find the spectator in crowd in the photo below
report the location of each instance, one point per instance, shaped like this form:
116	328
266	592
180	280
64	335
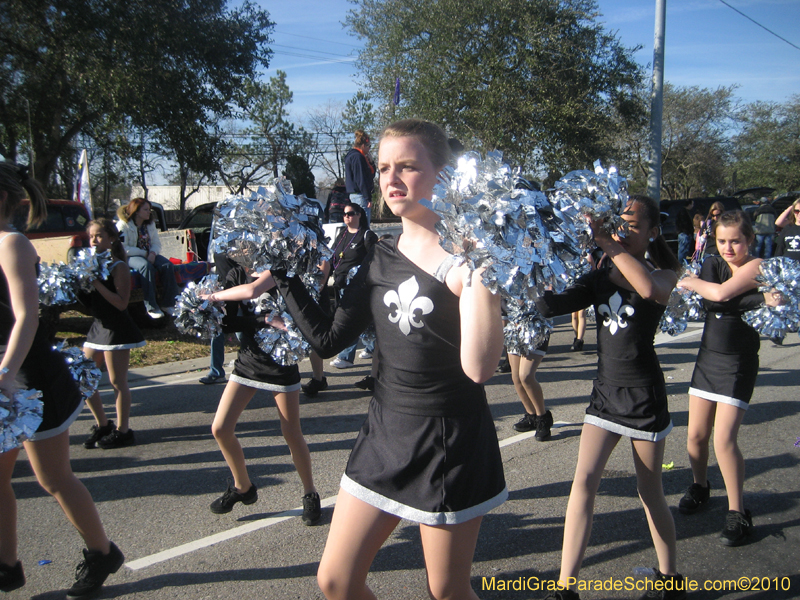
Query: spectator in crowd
359	171
334	208
683	223
764	227
140	238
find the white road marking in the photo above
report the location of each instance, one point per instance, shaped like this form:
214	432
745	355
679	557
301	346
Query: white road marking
149	561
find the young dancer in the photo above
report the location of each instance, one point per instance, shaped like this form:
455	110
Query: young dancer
428	451
28	361
629	396
529	391
111	338
254	370
725	372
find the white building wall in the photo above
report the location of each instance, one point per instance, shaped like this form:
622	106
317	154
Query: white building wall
169	195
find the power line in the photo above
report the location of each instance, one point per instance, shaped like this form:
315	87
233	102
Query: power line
316	39
311	50
760	25
311	56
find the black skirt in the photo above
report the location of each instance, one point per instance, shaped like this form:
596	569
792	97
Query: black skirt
431	470
46	370
123	336
727	378
260	372
637	412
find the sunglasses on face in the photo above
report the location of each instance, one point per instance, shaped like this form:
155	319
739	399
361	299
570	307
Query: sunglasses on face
715	214
350	214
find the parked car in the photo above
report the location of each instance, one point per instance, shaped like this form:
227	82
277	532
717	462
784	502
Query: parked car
670	208
198	221
61	235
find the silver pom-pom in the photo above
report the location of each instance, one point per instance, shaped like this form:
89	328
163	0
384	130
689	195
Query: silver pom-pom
90	265
271	230
683	306
602	195
20	417
525	330
59	284
197	316
488	217
84	370
285	347
781	274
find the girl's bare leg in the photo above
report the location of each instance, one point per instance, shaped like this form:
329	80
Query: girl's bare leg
8	509
448	559
317	366
595	448
648	457
698	435
358	531
49	459
729	456
526	375
288	404
95	403
234	400
117	363
579	323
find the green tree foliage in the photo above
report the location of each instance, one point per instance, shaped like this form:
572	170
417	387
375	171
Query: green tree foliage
359	113
695	143
299	173
767	149
539	79
274	135
173	66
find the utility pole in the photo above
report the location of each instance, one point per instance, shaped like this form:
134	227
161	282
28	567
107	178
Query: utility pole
657	103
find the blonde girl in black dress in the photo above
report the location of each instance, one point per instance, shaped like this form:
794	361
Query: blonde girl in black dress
428	451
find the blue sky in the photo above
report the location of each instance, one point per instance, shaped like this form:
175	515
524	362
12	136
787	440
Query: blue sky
707	45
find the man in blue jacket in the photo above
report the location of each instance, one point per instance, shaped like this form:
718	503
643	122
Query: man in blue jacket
359	172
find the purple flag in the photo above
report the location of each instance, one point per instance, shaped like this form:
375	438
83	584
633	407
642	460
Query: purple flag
397	92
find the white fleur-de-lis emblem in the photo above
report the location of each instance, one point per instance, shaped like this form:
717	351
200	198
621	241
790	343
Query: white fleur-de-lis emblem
407	304
794	242
615	313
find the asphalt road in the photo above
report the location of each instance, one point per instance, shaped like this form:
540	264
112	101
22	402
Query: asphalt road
154	497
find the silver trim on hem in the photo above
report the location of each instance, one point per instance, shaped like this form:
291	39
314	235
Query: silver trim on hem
637	434
116	347
712	397
260	385
420	516
48	433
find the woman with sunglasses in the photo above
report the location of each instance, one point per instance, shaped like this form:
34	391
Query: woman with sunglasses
349	250
788	243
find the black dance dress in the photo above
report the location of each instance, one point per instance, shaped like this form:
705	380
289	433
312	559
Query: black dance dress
44	369
113	329
428	451
629	396
727	364
253	367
